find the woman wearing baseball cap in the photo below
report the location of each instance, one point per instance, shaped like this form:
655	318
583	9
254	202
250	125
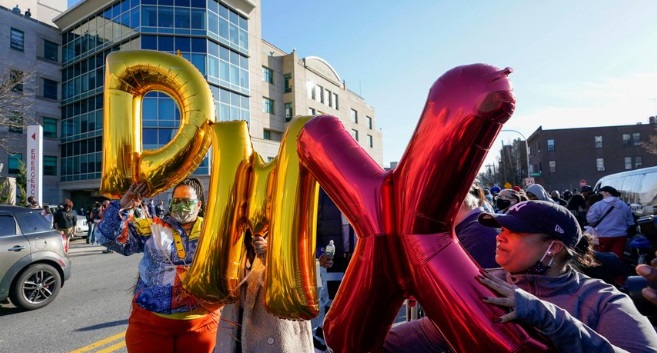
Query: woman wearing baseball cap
539	249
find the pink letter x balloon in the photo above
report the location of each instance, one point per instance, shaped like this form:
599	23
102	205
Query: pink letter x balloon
404	219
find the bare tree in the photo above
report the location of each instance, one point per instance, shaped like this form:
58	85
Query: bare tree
16	98
651	145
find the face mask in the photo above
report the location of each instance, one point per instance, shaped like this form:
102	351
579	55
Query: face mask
539	268
502	204
183	212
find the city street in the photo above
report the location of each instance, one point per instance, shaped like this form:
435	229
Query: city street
90	313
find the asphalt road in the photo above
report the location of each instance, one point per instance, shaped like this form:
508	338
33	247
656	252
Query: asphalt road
90	313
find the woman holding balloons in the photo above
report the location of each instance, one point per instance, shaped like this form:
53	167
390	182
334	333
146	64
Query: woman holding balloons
165	317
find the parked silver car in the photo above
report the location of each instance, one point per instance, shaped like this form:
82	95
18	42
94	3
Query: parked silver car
33	260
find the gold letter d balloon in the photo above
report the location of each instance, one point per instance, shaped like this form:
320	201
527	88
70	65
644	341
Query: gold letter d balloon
276	199
129	75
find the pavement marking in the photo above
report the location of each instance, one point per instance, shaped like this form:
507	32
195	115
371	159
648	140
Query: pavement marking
103	342
113	347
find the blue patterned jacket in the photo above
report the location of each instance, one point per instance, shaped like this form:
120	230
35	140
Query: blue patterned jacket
159	287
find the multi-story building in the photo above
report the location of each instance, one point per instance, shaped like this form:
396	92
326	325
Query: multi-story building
40	10
292	86
561	158
32	47
513	163
250	79
214	36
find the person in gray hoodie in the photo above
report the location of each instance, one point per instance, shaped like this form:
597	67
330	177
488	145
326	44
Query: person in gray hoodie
539	249
537	192
611	219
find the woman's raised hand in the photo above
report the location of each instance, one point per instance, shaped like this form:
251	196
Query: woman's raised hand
134	193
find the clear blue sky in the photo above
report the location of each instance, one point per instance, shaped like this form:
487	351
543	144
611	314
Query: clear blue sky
577	63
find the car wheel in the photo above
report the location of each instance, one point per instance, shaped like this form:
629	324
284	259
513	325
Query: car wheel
36	287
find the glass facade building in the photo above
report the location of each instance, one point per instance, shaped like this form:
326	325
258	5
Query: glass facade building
209	34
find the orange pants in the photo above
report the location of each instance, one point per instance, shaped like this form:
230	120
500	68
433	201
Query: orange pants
148	333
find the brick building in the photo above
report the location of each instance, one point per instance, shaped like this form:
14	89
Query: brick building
559	159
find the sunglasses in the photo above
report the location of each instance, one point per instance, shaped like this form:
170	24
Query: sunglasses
184	202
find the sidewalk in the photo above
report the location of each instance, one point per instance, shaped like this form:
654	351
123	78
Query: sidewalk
79	246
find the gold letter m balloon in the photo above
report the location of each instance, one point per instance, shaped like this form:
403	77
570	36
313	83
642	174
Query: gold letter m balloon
277	200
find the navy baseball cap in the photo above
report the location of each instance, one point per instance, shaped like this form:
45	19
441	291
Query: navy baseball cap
537	217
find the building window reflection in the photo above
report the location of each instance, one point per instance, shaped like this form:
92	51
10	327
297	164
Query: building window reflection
210	35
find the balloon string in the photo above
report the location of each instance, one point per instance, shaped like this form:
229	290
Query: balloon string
233	292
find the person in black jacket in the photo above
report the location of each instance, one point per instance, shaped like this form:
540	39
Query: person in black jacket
64	219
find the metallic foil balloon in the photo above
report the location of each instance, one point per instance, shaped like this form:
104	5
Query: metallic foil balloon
290	278
277	200
215	271
129	75
404	219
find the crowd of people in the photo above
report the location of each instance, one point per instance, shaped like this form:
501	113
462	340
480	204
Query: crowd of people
603	214
541	250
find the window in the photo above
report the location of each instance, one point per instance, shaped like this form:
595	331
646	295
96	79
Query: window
50	50
311	111
288	112
354	116
354	134
626	140
7	226
329	98
320	92
312	90
370	140
553	166
288	83
550	145
267	105
636	139
15	161
628	163
335	100
49	127
16	78
17	40
49	89
638	162
16	123
267	75
50	165
266	134
369	122
600	164
598	143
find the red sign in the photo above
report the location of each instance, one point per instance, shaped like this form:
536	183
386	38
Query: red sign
582	182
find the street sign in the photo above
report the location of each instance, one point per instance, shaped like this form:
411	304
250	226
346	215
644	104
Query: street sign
529	181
